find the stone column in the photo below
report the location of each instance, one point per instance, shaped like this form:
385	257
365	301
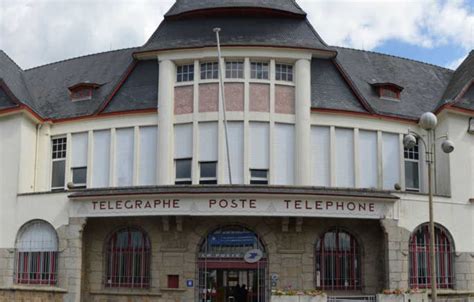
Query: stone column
396	254
165	122
303	119
70	258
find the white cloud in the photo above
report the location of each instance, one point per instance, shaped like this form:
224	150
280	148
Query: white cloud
367	24
36	32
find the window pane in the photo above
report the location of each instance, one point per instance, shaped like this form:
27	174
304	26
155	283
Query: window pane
59	167
411	175
258	173
79	175
183	169
208	170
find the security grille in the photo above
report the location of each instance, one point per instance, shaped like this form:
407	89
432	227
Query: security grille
420	273
36	254
128	259
337	262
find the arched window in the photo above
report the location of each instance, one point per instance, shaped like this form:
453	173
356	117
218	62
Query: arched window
420	274
36	254
337	261
128	259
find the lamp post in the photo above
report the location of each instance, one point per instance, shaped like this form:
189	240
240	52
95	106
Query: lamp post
428	122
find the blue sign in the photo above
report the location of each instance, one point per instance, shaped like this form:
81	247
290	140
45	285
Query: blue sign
189	283
232	239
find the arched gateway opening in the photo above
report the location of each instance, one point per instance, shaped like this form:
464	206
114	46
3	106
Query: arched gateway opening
232	264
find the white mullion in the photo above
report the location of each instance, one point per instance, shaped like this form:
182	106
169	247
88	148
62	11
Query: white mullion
402	163
112	180
90	161
357	164
67	165
221	143
271	133
380	160
332	155
195	159
136	157
246	120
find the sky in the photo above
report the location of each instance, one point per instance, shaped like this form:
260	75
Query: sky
37	32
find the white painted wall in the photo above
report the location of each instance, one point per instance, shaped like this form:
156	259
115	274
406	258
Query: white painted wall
18	140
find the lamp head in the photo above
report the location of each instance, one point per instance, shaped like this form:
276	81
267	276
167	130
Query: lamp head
409	141
447	146
428	121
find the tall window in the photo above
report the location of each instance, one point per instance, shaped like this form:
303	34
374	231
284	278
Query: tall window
259	70
36	254
183	153
420	275
79	159
284	72
185	73
128	259
59	145
209	71
412	168
234	70
337	261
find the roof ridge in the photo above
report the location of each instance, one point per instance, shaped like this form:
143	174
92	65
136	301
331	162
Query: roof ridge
80	57
298	6
316	33
9	58
393	56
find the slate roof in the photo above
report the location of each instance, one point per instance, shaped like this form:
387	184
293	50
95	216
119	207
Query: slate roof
462	78
185	6
139	91
329	90
341	83
424	84
11	75
236	31
49	83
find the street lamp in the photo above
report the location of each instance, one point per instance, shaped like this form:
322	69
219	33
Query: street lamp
428	122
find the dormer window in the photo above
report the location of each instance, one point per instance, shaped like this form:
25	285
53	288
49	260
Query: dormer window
82	91
388	91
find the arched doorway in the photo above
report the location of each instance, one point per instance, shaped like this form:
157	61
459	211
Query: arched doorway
232	265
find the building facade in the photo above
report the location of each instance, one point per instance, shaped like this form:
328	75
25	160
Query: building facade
123	178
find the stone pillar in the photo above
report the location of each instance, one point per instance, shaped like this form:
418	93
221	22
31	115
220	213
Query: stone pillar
303	120
396	254
165	122
70	258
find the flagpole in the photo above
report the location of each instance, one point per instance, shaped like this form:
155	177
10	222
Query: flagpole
221	83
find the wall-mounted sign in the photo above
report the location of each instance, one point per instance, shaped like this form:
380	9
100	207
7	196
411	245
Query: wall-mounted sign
190	283
253	256
235	206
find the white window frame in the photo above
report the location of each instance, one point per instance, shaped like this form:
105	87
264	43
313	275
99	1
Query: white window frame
284	72
186	75
207	179
258	67
234	69
53	160
418	162
259	179
209	71
183	181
